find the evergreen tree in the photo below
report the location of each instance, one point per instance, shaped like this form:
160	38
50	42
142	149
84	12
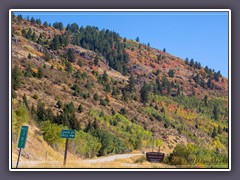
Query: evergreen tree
107	88
45	24
58	25
191	62
25	101
144	92
70	55
193	92
214	133
29	56
29	72
80	64
209	83
40	73
38	21
131	84
159	57
32	20
80	108
206	100
159	86
16	78
165	81
29	34
219	129
105	76
171	73
59	104
96	61
19	18
216	112
34	37
96	97
169	89
123	111
137	39
55	45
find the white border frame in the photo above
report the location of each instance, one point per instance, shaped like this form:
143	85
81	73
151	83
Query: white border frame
120	10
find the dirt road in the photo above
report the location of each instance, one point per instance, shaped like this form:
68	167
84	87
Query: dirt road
101	160
110	158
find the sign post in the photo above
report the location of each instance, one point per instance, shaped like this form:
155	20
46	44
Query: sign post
67	134
22	141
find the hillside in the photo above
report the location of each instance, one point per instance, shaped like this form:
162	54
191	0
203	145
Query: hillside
117	93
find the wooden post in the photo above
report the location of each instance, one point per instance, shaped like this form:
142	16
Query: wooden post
46	156
19	154
65	154
153	143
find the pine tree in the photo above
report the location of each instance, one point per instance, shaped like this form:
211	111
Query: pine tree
137	39
70	55
171	73
80	108
29	34
216	112
144	93
25	101
55	45
131	84
16	78
32	20
96	61
123	111
40	73
105	76
29	72
206	100
45	24
214	133
209	83
34	37
219	129
29	56
59	104
80	64
96	97
107	88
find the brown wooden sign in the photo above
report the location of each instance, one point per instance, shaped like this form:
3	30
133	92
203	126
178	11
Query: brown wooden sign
154	156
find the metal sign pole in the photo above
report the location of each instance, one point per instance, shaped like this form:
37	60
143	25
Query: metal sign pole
65	154
19	154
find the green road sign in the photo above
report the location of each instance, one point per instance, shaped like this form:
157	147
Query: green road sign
68	134
23	137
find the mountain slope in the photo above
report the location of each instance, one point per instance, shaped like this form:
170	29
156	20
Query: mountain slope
119	89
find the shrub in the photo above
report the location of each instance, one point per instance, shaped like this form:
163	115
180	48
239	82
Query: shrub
35	96
103	102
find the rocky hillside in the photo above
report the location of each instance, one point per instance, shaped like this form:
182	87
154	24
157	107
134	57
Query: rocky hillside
104	85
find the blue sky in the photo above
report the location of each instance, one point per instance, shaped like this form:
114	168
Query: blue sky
202	36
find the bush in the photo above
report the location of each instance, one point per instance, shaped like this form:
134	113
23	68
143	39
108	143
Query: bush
103	102
51	133
194	155
123	111
141	159
96	97
35	96
110	143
